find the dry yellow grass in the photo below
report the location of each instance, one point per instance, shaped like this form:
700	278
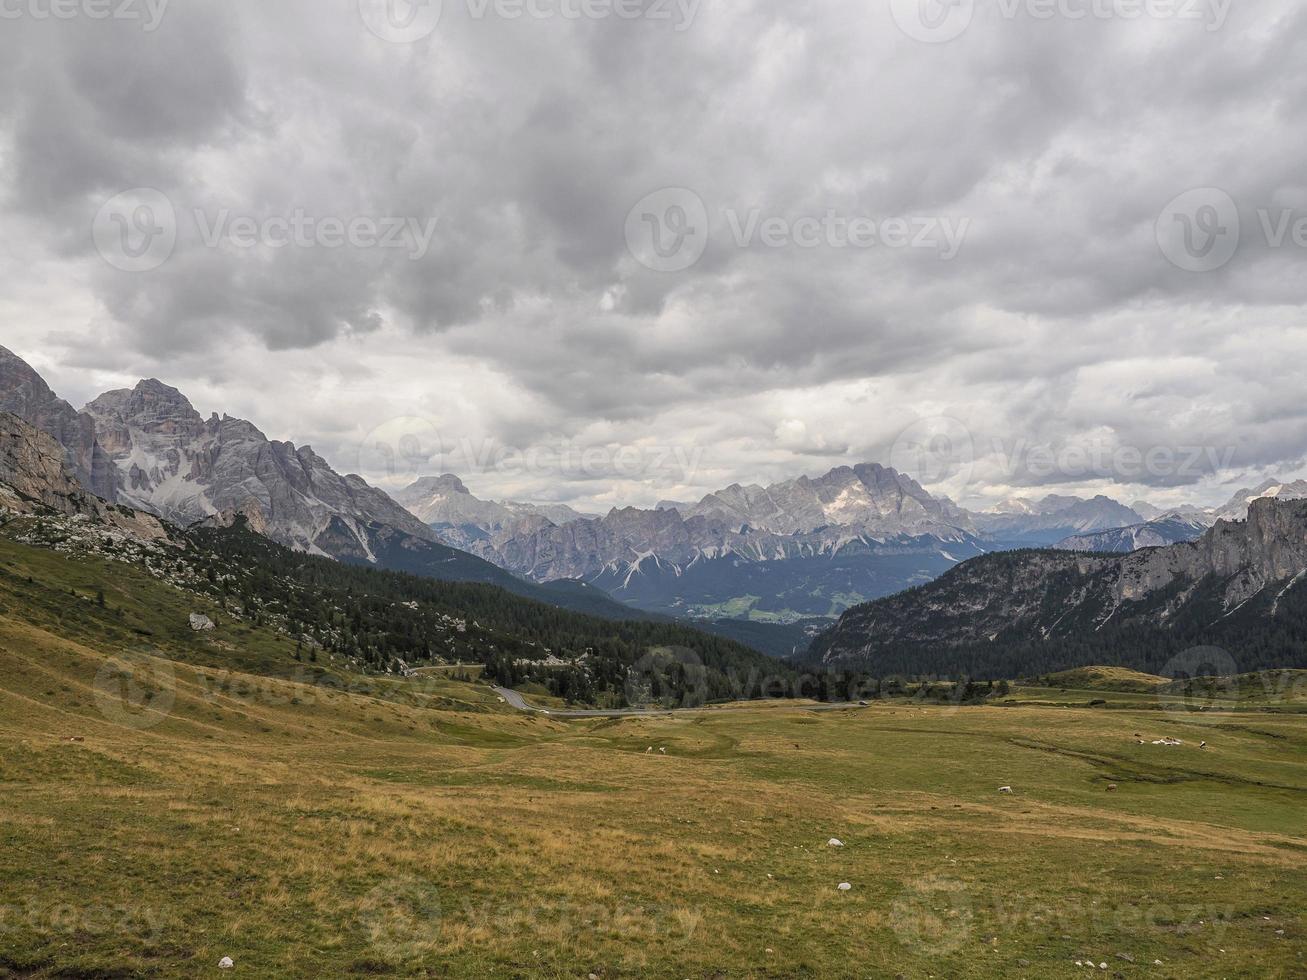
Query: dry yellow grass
422	829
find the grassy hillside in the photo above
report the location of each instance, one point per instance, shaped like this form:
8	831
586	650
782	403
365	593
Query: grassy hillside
158	814
1105	679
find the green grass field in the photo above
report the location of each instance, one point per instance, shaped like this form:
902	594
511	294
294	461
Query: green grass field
159	814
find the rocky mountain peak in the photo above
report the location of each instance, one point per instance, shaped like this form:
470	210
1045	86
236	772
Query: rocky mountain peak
151	406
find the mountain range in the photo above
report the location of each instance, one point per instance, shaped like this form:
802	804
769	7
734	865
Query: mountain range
801	549
797	553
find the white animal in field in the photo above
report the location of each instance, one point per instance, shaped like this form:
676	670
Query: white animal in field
662	750
648	750
1005	789
835	842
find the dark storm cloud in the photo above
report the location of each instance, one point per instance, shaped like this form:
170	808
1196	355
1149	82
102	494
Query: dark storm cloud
1054	144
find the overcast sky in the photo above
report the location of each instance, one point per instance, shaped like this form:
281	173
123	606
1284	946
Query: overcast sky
644	249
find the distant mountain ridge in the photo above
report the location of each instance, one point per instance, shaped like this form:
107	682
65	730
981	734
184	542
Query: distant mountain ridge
1156	533
798	549
1018	522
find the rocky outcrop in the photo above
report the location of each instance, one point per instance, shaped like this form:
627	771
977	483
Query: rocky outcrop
24	393
32	464
35	479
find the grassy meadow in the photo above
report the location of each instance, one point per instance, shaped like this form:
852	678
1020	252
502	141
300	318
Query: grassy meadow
169	798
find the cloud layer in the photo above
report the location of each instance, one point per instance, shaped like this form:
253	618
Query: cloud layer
875	247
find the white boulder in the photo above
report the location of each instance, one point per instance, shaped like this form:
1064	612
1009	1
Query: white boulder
201	623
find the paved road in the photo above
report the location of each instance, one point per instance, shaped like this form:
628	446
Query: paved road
517	701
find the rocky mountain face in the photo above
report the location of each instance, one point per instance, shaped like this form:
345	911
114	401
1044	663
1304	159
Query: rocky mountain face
1157	533
866	496
32	468
172	462
25	394
35	479
1040	596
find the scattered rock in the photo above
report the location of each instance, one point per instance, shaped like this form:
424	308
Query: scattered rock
225	963
201	623
1005	789
1111	787
835	842
844	886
